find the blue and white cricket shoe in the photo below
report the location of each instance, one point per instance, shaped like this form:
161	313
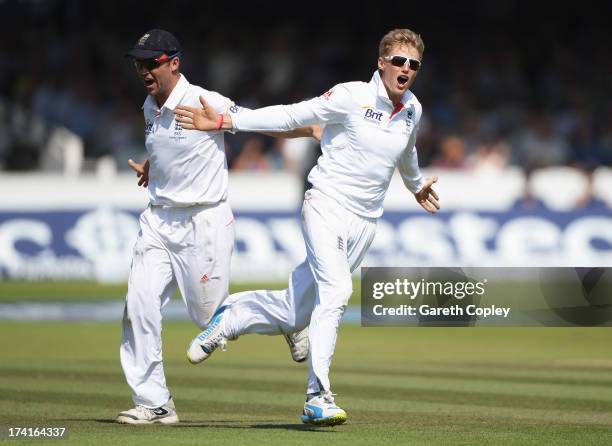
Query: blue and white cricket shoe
204	344
321	410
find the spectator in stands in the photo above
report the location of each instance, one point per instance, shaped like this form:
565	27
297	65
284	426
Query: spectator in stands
491	156
538	146
490	87
252	157
452	153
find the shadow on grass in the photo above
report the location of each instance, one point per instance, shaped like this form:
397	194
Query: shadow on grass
220	424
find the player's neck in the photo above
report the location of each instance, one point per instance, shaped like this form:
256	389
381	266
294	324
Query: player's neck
395	99
161	98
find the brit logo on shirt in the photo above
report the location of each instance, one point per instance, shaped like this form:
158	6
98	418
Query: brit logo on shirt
148	127
372	114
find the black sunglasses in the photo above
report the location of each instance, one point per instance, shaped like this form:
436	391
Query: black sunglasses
400	61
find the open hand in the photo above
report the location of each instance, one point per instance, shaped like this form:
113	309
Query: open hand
142	171
192	118
427	197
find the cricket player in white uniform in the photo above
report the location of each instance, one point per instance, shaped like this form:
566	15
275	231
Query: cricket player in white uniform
186	234
370	128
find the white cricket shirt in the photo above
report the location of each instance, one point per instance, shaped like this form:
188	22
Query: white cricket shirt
186	167
365	137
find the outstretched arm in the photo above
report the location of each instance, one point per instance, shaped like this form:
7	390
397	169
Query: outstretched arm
207	119
322	110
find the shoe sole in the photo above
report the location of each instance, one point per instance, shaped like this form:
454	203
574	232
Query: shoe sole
329	421
166	420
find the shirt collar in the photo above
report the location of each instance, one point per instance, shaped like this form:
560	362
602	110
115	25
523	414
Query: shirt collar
381	91
173	100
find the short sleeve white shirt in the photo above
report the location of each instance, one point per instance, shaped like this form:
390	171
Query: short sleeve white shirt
187	167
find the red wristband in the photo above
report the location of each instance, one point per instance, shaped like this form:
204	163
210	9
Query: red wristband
220	120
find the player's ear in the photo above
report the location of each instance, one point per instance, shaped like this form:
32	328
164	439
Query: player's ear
175	64
381	63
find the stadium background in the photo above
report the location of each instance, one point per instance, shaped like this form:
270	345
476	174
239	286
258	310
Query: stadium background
517	124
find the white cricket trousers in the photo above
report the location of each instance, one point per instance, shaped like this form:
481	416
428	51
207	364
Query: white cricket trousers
190	247
319	288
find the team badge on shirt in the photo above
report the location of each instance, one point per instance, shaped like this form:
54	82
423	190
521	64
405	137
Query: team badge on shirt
148	127
178	132
409	119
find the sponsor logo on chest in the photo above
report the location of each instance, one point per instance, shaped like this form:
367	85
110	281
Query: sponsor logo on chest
372	115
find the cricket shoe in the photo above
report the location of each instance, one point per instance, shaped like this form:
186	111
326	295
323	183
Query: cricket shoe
298	345
165	414
204	344
321	410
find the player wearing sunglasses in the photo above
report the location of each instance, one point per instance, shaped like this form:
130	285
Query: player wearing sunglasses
370	129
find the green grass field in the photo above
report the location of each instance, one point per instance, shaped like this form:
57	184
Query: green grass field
467	386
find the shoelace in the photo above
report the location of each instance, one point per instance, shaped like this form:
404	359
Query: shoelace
328	397
146	412
212	344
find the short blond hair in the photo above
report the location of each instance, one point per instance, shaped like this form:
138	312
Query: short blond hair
400	37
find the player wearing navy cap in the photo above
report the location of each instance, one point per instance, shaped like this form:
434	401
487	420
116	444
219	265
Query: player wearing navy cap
186	233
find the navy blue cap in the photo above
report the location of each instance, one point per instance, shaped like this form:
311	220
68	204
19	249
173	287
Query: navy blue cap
154	43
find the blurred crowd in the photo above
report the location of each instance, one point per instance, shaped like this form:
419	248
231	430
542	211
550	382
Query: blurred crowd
499	85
